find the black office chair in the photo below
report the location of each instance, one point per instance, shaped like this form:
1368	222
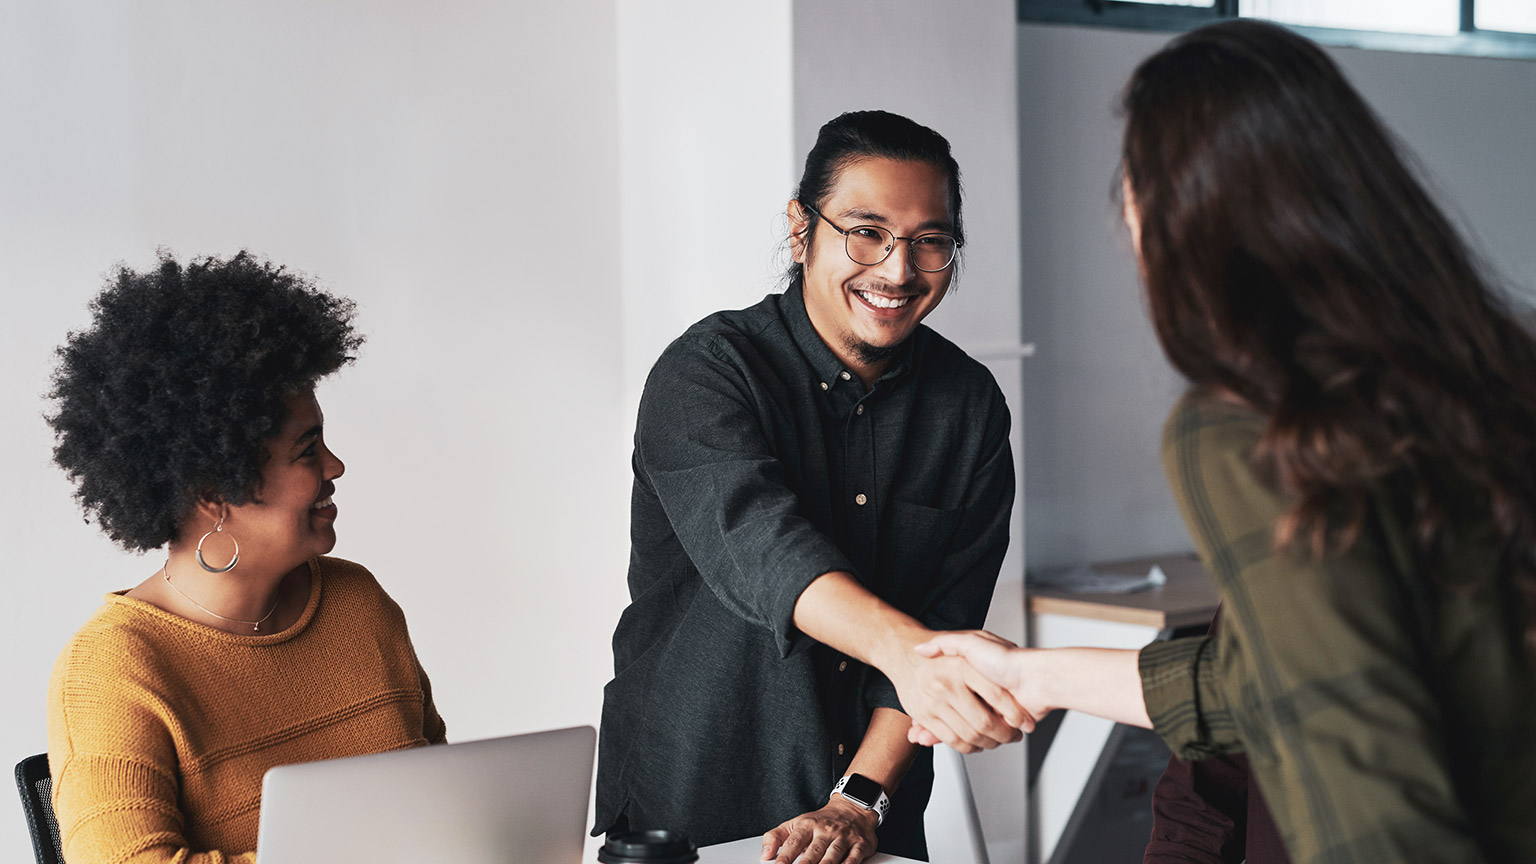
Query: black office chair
36	787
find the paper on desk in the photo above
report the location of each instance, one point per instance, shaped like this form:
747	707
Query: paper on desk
1083	579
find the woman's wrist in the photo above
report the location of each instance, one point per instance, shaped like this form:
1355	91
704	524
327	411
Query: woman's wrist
1038	676
1104	682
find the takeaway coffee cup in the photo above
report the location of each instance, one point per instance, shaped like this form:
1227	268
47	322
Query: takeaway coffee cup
648	847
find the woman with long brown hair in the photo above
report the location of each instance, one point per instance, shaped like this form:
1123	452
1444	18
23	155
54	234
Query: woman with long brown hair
1355	460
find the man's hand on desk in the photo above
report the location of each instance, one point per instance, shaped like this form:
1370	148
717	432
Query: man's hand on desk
839	833
956	703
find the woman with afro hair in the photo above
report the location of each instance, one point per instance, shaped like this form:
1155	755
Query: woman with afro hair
186	417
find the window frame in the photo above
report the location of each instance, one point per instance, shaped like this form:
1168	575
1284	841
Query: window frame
1117	14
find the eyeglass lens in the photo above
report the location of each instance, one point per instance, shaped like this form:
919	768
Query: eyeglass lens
871	244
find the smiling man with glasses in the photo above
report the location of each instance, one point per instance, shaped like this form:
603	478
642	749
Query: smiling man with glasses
821	483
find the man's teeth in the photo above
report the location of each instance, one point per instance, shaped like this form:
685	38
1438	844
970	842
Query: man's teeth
882	302
322	503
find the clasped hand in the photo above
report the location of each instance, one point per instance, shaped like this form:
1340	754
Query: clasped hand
955	702
990	668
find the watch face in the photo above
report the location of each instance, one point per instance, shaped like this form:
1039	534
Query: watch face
862	789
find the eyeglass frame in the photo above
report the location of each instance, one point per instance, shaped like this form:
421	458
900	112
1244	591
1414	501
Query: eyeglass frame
891	248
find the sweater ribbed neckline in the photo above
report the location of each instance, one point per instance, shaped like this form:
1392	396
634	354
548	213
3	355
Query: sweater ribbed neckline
139	607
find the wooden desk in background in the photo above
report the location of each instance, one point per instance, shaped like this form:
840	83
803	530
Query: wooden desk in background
1188	599
1090	779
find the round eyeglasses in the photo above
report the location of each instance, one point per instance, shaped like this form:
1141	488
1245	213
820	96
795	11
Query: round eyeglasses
871	244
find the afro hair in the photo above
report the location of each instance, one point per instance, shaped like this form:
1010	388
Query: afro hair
171	394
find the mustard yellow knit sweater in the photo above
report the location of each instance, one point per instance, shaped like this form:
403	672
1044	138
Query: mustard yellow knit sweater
160	729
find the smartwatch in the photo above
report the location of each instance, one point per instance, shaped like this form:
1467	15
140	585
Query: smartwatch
866	793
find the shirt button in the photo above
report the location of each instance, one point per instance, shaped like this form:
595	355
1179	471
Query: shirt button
823	385
859	499
845	376
859	410
843	666
839	749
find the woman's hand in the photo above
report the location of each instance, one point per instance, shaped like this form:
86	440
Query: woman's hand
1104	682
991	655
949	698
997	660
955	703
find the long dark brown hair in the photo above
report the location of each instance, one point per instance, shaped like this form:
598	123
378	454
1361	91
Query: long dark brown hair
1292	258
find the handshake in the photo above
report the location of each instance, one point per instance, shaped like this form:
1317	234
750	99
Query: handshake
975	690
966	689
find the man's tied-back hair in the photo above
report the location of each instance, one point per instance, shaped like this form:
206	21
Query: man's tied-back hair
858	135
171	393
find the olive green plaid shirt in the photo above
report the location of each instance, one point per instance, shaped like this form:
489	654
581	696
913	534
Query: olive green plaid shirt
1386	718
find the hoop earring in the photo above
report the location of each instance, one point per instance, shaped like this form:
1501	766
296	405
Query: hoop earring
218	528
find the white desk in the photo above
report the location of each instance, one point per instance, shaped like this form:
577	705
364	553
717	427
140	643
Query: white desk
749	850
1059	619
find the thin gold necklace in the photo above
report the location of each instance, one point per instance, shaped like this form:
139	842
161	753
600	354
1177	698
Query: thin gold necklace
255	625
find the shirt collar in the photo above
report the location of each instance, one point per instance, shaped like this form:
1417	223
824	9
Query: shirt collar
828	369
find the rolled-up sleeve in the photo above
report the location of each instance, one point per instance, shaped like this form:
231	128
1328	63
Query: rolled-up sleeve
700	446
1185	699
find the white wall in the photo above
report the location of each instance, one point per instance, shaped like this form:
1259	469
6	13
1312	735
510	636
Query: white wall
452	167
706	165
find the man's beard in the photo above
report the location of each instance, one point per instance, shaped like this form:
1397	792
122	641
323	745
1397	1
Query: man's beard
870	354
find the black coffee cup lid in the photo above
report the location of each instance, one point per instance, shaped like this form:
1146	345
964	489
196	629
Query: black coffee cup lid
655	846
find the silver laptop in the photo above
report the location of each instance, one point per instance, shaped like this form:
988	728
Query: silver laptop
515	800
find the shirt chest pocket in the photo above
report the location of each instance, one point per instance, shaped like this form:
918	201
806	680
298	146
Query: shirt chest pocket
917	537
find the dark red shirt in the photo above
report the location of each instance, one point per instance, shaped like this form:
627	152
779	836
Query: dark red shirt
1211	812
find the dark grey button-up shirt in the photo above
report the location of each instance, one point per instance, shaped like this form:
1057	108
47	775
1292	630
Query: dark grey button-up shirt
760	464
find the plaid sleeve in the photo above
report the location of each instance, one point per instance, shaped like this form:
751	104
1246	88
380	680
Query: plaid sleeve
1184	698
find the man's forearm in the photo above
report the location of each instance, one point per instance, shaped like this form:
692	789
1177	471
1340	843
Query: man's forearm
885	754
838	611
944	695
840	825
